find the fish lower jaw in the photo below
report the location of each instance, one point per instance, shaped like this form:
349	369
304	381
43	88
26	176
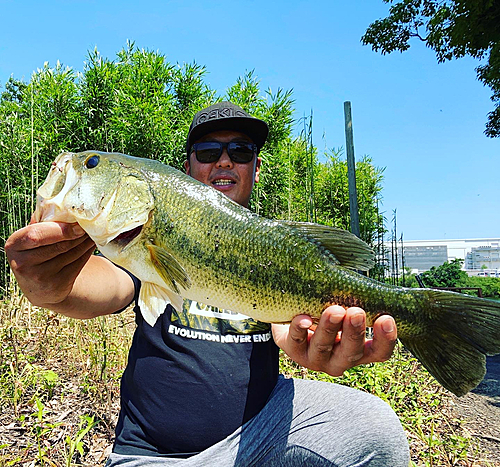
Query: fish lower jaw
46	211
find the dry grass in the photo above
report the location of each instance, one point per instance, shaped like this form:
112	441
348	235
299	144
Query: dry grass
59	392
59	377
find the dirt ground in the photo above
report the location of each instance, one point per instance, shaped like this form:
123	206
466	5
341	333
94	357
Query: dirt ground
481	410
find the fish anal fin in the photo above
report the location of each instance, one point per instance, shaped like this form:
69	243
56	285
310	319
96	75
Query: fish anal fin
169	268
153	300
349	250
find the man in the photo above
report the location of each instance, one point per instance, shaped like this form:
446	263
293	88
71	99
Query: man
201	387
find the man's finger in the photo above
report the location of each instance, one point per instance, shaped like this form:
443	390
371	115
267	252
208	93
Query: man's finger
73	268
384	339
298	333
45	254
80	247
322	342
42	234
352	345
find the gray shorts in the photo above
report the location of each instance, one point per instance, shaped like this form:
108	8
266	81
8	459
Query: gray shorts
304	423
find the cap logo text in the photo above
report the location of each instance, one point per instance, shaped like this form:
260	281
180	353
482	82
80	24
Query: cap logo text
219	113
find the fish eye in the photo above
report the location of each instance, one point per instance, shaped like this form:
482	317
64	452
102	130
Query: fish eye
92	162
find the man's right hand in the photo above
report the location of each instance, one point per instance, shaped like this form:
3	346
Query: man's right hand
55	267
46	259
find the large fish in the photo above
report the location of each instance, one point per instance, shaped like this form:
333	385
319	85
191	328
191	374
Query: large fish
183	239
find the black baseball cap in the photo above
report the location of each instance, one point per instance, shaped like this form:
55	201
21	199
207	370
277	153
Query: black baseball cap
226	116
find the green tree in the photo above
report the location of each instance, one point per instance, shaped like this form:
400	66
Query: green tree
490	286
141	104
453	29
332	194
449	274
268	198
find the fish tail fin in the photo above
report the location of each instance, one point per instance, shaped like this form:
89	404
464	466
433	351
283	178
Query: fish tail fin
462	331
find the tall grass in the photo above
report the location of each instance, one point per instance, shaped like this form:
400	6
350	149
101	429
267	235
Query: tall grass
142	105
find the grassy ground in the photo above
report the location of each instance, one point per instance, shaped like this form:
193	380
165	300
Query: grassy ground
59	392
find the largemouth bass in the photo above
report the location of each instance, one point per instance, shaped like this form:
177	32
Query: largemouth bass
184	239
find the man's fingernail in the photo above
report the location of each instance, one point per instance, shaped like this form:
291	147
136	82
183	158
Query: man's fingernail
77	230
305	323
357	320
337	317
388	325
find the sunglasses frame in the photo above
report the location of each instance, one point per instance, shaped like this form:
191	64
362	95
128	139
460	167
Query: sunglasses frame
228	148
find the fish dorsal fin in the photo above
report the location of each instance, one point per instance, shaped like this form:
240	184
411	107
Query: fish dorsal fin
169	269
153	300
349	250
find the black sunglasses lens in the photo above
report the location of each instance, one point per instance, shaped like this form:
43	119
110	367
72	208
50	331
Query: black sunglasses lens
208	151
241	152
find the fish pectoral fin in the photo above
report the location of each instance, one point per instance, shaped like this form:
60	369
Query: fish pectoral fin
153	300
169	269
349	250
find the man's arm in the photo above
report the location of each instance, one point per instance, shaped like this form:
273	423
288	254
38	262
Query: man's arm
54	265
324	349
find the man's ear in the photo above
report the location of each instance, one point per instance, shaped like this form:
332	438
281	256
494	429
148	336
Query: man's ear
187	167
258	163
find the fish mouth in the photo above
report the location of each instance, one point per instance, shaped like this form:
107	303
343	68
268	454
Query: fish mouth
126	237
62	179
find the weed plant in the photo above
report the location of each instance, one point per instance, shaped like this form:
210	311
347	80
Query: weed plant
59	385
59	391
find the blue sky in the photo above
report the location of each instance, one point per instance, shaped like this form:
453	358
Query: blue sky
422	121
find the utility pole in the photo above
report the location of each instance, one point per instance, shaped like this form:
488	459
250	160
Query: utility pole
351	169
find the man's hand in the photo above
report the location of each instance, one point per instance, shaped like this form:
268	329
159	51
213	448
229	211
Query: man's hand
55	267
46	259
338	342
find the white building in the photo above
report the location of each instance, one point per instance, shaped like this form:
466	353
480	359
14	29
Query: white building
479	254
484	258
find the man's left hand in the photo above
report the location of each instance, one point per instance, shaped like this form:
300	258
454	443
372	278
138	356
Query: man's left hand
338	342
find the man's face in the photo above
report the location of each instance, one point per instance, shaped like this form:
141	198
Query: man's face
235	180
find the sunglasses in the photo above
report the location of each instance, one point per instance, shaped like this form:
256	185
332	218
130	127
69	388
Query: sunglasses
210	151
